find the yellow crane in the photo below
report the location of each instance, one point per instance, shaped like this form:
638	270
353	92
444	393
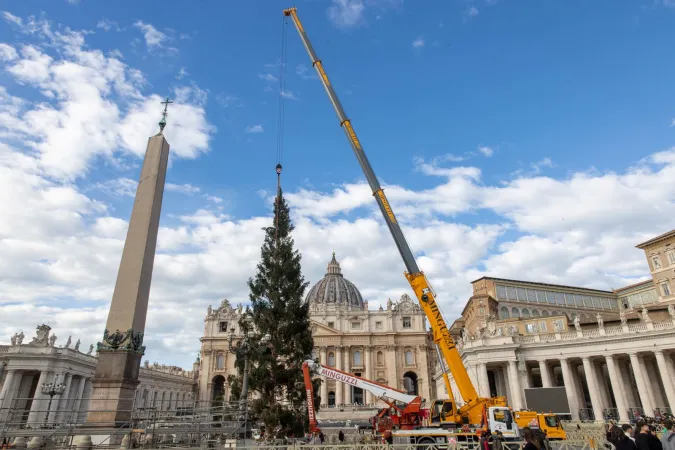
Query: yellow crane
477	413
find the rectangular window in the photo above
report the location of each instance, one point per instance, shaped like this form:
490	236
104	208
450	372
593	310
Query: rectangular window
559	325
511	293
656	262
356	325
671	257
378	325
481	310
407	322
550	297
529	327
560	298
222	326
331	324
542	327
532	296
665	289
501	292
522	294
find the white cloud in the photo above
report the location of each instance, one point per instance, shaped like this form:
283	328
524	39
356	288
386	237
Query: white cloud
346	13
303	72
86	120
267	77
7	52
187	189
469	13
182	73
107	25
153	37
289	95
485	150
11	18
418	43
254	129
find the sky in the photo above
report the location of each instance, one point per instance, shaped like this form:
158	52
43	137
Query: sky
531	140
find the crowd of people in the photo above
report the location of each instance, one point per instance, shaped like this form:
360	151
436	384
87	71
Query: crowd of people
643	436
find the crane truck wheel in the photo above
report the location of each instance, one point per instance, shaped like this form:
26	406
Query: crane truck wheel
425	443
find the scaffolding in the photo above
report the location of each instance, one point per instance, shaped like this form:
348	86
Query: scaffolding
202	424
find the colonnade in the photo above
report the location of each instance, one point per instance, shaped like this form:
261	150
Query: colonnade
21	398
619	385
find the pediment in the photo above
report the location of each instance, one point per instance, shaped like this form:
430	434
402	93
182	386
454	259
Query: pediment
322	329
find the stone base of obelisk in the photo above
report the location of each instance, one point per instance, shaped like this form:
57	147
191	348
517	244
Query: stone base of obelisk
114	383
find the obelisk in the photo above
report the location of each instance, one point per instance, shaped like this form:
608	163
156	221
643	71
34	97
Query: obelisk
120	352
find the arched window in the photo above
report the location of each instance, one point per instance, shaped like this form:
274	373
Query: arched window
331	398
526	313
331	359
409	358
220	362
536	313
515	313
504	313
380	359
573	316
545	313
357	358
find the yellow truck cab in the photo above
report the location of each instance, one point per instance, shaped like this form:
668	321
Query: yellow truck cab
547	422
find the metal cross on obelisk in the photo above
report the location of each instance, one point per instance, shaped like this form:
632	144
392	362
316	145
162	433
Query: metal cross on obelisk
162	123
121	349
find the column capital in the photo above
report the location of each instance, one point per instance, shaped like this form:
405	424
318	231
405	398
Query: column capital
658	351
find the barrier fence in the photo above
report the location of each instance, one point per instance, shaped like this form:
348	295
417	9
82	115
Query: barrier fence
63	424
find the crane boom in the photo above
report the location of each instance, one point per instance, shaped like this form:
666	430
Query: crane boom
377	389
416	278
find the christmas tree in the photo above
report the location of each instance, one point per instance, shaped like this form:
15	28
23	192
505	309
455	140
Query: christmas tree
279	312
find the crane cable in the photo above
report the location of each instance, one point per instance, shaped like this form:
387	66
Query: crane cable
280	129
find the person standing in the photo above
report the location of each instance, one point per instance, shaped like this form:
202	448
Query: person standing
668	439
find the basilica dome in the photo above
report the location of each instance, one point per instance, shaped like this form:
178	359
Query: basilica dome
335	289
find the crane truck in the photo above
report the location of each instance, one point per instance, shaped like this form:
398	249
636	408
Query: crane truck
404	411
477	413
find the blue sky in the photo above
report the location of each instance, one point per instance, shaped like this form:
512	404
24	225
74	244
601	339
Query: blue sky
498	126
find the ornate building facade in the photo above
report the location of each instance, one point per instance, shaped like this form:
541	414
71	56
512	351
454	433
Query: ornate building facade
26	365
389	345
612	350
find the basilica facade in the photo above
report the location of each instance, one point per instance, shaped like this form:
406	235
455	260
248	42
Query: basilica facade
389	344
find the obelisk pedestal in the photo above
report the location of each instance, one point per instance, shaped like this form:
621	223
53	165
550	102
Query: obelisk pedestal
120	352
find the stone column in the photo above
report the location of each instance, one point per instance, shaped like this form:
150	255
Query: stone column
596	401
324	382
339	387
368	350
545	374
617	388
78	399
65	399
6	394
647	406
665	378
648	384
37	407
483	380
514	381
570	391
121	349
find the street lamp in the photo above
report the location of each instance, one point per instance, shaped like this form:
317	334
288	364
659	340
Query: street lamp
52	389
246	346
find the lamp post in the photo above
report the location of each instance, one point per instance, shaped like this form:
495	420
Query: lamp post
246	346
52	389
